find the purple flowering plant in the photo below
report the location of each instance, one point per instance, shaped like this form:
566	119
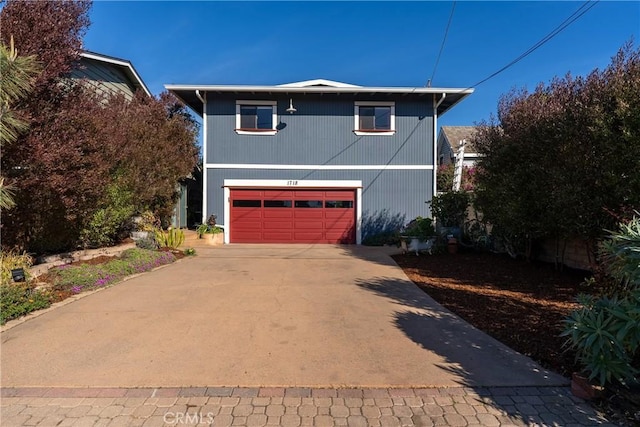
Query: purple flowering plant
78	278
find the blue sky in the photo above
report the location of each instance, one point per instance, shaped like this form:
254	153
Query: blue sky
364	43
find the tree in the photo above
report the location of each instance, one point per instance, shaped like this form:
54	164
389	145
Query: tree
51	30
562	161
87	158
153	144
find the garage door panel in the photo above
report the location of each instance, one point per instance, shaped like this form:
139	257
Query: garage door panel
308	225
308	236
304	214
277	237
277	213
278	225
278	194
340	195
346	214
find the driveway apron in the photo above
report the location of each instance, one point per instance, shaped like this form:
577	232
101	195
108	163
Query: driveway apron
262	315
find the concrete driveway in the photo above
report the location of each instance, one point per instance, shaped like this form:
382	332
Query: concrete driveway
268	315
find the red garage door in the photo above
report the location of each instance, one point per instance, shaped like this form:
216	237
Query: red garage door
292	216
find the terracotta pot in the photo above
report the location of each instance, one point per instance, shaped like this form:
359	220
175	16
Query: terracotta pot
581	387
452	245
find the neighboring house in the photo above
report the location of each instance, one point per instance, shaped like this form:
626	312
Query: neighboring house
449	141
109	75
316	161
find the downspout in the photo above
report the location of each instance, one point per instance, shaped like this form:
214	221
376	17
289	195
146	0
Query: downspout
204	155
200	98
436	104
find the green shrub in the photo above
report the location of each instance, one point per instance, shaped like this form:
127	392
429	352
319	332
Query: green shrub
605	331
621	253
18	299
450	208
149	243
189	252
171	238
110	223
606	334
148	222
11	260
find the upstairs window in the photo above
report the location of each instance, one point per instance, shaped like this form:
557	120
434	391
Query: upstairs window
375	118
256	117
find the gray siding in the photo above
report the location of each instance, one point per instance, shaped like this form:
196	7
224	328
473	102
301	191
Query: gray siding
320	132
104	78
387	195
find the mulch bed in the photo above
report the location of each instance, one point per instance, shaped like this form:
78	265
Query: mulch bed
521	304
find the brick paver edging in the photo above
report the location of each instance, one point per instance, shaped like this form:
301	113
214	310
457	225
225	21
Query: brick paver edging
296	406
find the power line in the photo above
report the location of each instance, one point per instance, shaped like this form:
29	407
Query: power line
564	24
444	39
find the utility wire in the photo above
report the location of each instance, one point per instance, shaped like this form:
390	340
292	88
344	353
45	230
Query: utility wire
444	39
570	20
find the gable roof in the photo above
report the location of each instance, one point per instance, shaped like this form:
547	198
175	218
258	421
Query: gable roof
455	134
125	66
191	94
318	82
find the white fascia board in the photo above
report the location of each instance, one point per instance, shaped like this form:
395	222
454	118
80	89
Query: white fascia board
319	89
316	167
119	62
299	183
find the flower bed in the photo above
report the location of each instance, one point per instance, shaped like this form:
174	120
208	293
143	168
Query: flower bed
18	299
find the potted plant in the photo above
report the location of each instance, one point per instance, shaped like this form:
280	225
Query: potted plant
418	235
211	232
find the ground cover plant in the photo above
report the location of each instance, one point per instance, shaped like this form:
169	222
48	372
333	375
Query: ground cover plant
19	299
83	277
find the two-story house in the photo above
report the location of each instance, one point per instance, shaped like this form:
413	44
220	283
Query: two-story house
316	161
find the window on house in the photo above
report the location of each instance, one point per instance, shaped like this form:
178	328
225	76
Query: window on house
376	118
256	117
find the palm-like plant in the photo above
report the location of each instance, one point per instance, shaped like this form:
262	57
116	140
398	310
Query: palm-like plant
16	82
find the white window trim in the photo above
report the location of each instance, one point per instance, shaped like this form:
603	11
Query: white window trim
274	118
356	117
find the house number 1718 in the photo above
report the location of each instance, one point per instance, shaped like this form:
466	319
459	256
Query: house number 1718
292	182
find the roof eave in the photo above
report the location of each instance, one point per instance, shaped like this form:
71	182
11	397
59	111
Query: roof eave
126	65
419	91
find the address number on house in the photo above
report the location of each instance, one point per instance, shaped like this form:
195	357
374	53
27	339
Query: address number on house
292	183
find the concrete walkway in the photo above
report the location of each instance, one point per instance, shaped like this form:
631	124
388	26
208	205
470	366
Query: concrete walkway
278	335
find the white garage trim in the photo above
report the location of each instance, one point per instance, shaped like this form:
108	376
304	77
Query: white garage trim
291	184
